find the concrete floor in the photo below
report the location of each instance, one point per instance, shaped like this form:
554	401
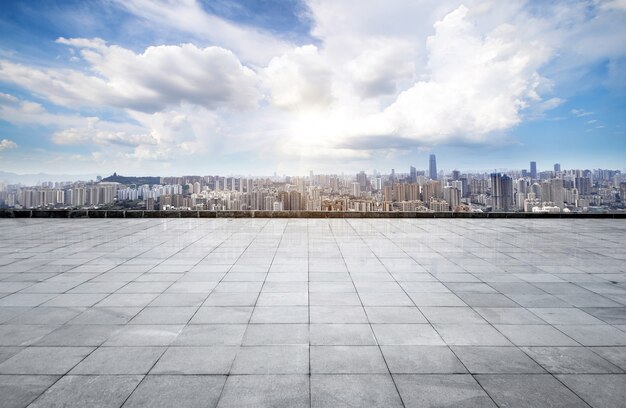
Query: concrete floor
312	312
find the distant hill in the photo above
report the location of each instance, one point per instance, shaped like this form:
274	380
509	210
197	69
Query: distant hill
116	178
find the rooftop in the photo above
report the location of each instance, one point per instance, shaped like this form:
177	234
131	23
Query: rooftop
312	312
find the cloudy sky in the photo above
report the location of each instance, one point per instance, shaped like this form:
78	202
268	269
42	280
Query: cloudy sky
262	86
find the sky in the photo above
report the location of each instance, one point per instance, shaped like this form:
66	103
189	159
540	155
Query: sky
253	87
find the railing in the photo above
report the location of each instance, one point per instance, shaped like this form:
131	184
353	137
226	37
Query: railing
67	213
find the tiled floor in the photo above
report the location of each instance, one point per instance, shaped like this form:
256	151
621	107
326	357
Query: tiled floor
313	312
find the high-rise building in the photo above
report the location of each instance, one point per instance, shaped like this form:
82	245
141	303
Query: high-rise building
432	167
501	191
533	170
413	174
557	168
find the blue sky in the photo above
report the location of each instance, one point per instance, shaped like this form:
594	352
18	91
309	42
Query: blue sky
256	87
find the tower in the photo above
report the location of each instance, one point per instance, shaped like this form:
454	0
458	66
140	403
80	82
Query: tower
432	167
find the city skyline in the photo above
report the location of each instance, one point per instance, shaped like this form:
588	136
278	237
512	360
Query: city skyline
90	88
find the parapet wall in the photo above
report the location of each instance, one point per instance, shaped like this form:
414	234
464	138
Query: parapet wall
282	214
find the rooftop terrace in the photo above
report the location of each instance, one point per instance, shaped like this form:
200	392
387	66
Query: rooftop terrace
312	312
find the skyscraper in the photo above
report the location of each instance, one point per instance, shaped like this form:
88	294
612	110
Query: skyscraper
501	191
557	168
432	167
413	174
533	170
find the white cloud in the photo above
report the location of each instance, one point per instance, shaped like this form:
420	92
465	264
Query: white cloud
187	16
300	79
6	144
160	77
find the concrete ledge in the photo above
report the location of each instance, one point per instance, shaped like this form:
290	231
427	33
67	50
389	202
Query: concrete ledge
10	213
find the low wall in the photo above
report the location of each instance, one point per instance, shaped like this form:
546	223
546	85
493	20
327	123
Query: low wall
10	213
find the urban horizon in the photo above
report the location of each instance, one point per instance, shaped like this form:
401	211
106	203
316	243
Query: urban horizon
432	190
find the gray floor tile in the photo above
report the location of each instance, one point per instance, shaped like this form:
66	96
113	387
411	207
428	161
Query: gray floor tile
496	360
374	390
394	314
342	334
532	390
570	360
276	334
88	391
145	335
211	335
119	360
470	335
44	360
595	335
407	334
535	335
265	391
347	360
599	391
280	314
18	391
224	314
441	391
196	360
183	391
272	360
616	355
421	360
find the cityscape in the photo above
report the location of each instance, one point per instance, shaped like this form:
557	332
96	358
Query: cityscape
312	204
529	190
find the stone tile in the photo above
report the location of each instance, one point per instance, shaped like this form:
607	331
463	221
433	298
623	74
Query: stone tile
347	360
182	391
496	360
23	335
601	391
565	315
106	315
508	315
280	314
616	355
464	315
47	315
44	360
436	299
164	315
535	335
374	390
442	391
342	334
570	360
532	390
196	360
223	314
595	335
334	299
272	360
18	391
407	334
471	335
265	391
338	314
119	360
394	314
88	391
145	335
421	360
211	335
79	335
8	352
276	334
